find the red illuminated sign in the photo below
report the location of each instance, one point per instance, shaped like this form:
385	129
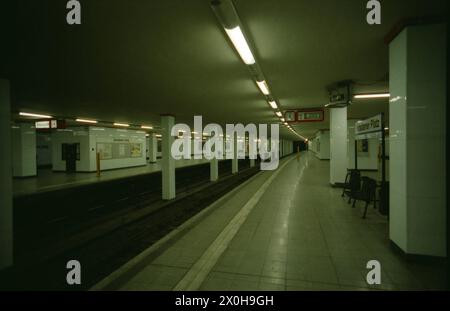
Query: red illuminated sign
50	124
304	115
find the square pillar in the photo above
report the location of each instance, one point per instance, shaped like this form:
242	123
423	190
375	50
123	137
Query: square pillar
168	162
338	145
153	147
214	169
417	127
6	206
234	161
24	150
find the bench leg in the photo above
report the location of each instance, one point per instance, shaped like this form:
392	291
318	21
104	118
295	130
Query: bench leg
365	210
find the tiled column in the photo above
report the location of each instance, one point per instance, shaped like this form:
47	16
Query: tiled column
24	150
351	143
338	145
168	162
417	127
214	167
6	215
235	161
153	147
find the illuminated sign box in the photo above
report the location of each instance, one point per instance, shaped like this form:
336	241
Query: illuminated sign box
50	124
304	115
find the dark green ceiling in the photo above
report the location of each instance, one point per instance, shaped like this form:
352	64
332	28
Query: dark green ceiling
131	60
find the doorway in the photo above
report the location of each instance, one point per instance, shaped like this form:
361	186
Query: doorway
71	154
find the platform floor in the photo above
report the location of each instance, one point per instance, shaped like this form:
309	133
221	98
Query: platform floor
49	180
282	230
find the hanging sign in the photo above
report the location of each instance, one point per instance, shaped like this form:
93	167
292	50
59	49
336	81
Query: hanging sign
304	115
50	124
289	116
371	125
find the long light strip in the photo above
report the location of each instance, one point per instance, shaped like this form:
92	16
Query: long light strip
366	96
121	124
237	37
146	127
273	104
35	115
263	87
86	121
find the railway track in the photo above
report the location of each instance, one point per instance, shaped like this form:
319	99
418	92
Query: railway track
103	236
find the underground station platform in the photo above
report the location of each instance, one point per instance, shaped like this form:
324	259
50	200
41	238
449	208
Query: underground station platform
258	153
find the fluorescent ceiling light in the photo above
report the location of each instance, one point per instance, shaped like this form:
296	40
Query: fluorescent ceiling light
365	96
237	37
158	135
263	87
278	114
86	121
121	124
147	127
34	115
283	120
273	104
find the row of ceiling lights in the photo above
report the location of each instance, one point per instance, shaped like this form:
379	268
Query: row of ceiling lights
41	116
228	17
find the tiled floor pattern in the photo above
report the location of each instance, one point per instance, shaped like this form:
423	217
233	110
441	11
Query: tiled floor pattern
302	235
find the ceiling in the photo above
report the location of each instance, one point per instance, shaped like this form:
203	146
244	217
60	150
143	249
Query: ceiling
130	61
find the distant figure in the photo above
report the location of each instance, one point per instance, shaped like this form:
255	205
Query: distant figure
298	153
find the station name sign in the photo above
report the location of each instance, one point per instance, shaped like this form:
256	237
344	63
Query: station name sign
370	125
304	115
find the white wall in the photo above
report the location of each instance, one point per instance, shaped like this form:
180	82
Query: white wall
418	88
88	137
285	147
366	161
71	135
321	144
111	135
24	150
43	149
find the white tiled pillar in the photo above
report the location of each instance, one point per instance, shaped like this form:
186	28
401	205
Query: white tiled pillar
6	215
168	162
234	161
24	150
338	145
351	143
153	147
417	129
214	169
